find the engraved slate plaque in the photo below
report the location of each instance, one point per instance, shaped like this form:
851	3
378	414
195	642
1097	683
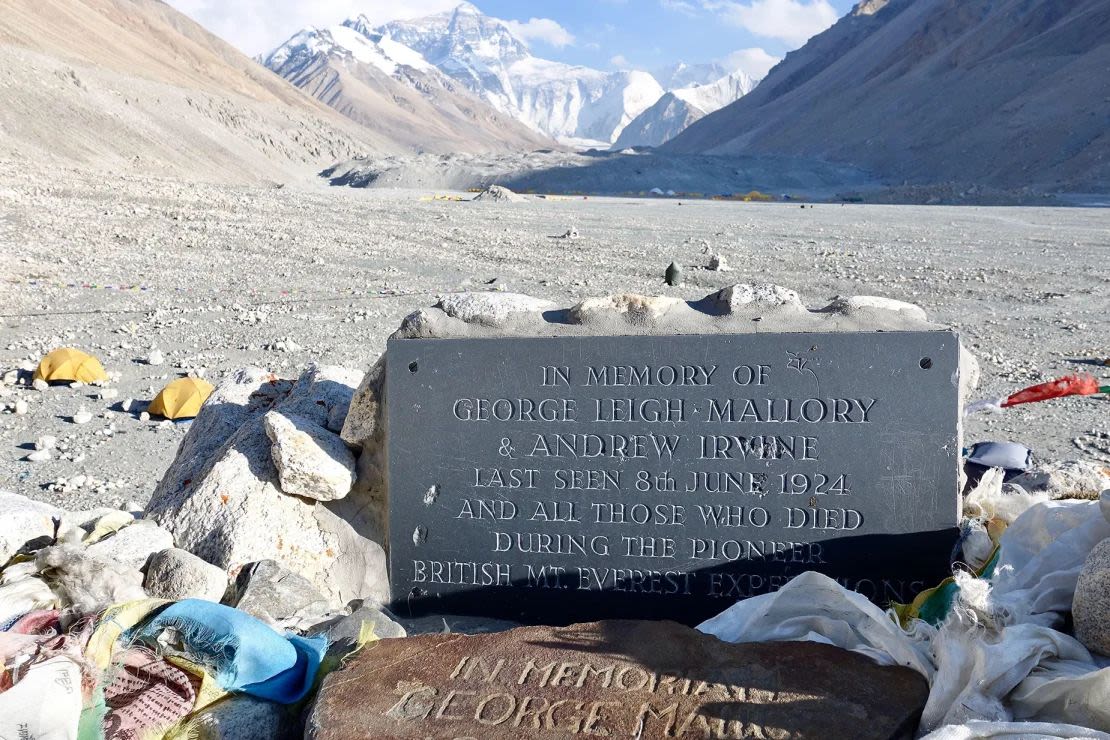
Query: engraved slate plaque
560	479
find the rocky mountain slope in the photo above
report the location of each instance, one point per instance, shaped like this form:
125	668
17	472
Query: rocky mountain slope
394	91
677	109
133	86
562	100
1002	93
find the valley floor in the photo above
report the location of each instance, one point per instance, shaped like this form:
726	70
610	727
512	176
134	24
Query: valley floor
218	277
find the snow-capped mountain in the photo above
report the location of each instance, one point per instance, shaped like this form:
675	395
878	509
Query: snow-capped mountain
677	109
562	100
467	81
387	86
714	96
681	74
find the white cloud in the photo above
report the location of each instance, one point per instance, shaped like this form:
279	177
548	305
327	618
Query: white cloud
544	30
754	62
256	26
791	21
679	6
620	61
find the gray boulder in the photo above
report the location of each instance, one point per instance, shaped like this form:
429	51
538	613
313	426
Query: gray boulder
24	521
177	574
1091	603
272	593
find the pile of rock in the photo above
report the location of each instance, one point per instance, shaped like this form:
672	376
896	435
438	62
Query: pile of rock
499	193
263	475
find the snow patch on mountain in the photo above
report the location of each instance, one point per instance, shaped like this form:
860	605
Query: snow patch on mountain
343	40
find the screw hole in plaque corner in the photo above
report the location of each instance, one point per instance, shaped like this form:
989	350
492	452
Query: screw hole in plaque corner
416	592
414	366
925	363
419	535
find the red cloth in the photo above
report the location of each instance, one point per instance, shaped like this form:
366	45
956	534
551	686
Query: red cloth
146	694
44	622
1069	385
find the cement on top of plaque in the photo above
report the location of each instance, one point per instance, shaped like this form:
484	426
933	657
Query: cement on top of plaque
737	309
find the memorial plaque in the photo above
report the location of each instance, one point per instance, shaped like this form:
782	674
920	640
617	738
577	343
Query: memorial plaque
646	680
572	478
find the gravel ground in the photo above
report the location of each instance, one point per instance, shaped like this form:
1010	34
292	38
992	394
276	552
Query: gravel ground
217	277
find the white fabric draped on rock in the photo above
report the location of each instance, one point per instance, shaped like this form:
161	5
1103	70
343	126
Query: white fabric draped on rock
997	659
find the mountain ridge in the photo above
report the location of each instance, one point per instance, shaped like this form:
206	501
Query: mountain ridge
134	86
393	90
926	91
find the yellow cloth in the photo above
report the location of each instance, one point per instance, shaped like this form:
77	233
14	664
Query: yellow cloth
110	523
116	620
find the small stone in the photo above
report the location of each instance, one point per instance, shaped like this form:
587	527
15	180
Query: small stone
610	673
343	632
107	394
271	593
40	456
673	275
633	308
176	574
46	442
756	296
82	417
126	404
21	407
310	460
40	385
717	262
155	357
144	416
491	309
864	303
239	717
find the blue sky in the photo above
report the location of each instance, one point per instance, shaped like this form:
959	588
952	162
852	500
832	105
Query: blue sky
607	34
650	33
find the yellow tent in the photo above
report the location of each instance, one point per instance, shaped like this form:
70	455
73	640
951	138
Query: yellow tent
181	399
70	364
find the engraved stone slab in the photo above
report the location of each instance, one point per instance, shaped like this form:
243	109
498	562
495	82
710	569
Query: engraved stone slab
631	679
565	479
